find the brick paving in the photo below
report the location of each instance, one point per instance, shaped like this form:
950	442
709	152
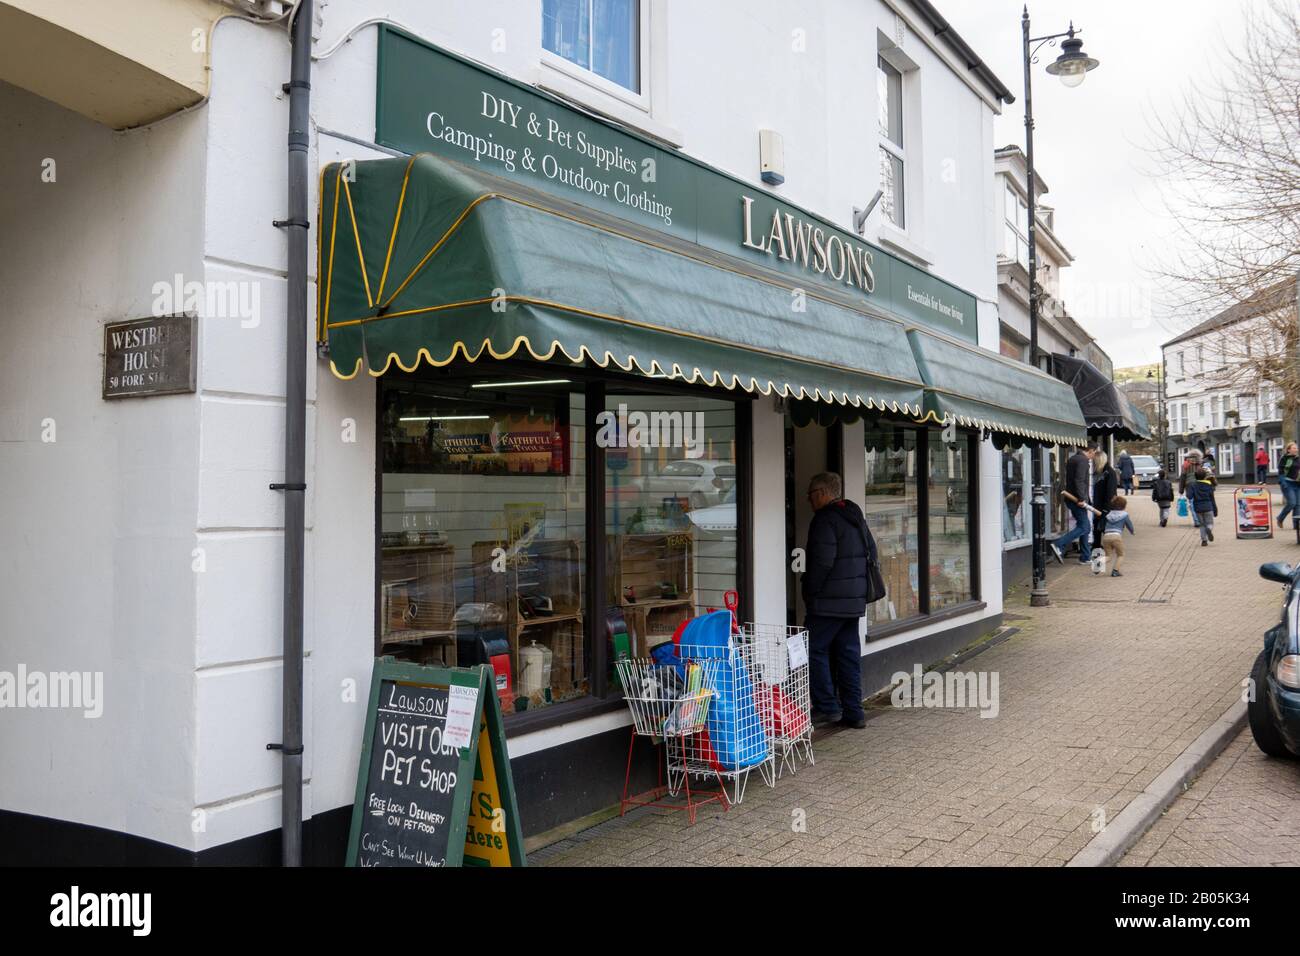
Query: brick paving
1098	694
1242	811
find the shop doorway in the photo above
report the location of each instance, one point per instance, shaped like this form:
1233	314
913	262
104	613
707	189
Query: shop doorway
809	449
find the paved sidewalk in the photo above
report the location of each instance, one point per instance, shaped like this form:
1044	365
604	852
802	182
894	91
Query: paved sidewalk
1242	811
1098	694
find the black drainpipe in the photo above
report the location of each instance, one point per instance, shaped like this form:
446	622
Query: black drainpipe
295	437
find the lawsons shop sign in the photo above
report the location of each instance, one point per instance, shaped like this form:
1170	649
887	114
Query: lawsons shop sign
428	100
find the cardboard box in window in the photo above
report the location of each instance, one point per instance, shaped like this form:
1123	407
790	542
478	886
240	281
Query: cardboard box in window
417	591
897	571
567	669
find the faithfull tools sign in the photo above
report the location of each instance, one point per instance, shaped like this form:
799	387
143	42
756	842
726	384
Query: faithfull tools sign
430	101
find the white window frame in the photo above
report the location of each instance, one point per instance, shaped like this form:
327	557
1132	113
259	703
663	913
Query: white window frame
1011	219
588	77
1026	476
1274	453
894	149
1227	463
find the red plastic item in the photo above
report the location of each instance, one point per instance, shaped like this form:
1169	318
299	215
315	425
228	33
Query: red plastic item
501	675
787	719
732	600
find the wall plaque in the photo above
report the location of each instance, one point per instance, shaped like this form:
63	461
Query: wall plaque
153	356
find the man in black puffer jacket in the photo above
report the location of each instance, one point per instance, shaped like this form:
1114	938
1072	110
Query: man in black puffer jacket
835	597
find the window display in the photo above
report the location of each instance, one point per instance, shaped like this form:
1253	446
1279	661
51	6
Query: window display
950	534
484	518
891	508
926	562
670	513
1016	467
482	534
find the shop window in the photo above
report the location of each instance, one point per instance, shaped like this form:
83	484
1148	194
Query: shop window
950	521
922	528
671	516
892	510
1016	479
483	530
600	36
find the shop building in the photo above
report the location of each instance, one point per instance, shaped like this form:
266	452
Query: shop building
584	333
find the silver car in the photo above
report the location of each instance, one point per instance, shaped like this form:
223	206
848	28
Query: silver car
1145	469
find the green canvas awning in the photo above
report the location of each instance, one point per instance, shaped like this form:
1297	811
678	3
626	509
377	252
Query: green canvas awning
428	260
982	389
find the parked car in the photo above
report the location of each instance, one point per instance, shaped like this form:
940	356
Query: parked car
717	518
1274	706
700	482
1145	469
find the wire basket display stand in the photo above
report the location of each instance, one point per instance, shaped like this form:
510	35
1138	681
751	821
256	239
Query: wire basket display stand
670	702
781	672
733	741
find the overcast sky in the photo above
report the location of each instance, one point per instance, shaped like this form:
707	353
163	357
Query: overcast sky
1089	141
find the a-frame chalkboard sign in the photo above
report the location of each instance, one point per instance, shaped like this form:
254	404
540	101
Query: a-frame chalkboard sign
434	785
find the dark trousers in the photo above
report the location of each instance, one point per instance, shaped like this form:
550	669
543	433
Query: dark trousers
835	666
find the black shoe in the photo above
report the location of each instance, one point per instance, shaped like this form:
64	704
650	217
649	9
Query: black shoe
857	723
1211	535
1116	574
1204	543
1163	521
824	720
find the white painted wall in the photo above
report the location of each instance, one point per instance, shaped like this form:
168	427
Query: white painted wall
99	523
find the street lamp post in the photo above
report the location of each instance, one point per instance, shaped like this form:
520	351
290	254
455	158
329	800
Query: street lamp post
1071	67
1161	411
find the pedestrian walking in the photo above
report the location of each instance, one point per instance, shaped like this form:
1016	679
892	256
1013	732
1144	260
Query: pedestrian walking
1288	470
837	587
1200	495
1191	464
1261	464
1077	495
1126	471
1162	493
1105	485
1112	538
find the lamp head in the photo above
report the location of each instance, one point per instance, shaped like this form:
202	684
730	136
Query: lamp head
1073	64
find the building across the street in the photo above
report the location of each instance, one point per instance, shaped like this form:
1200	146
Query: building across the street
594	300
1215	396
